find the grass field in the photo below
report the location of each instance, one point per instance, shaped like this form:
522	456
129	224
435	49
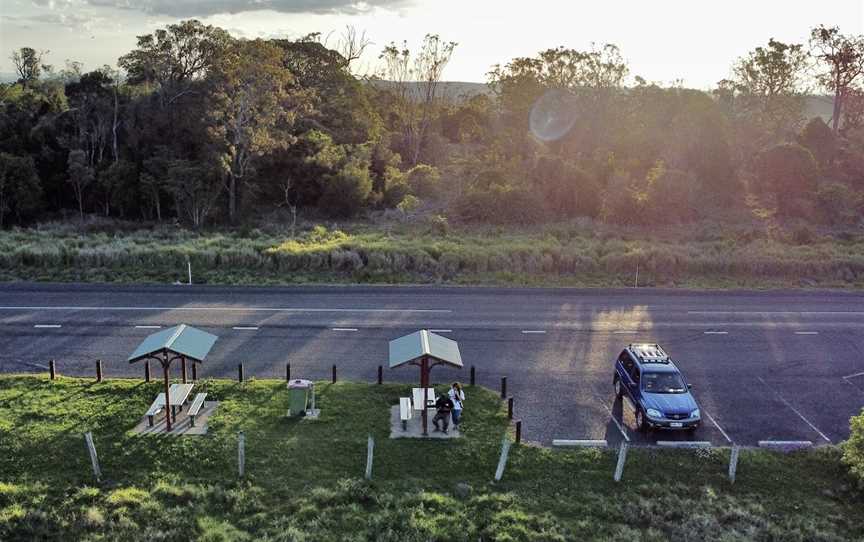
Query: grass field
304	478
578	254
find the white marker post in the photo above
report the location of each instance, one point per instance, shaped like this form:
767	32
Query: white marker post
502	461
733	463
189	269
241	453
370	450
94	459
622	457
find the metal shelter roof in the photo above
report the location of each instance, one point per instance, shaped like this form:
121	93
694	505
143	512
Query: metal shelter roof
422	343
182	340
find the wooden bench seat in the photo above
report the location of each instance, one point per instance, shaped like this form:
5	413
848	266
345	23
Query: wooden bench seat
157	407
195	408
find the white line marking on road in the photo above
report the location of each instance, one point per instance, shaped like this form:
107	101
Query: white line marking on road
441	331
148	327
853	376
614	419
622	332
684	443
788	404
785	443
47	326
245	328
580	443
806	333
717	425
716	333
218	309
344	329
530	331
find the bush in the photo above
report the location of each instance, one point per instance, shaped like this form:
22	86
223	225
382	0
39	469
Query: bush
346	192
853	448
839	204
424	182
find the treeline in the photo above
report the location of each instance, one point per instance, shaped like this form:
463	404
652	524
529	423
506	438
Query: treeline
201	128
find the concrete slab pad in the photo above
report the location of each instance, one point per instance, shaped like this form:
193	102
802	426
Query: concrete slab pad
414	427
182	426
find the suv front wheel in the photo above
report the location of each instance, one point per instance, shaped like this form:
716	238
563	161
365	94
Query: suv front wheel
616	383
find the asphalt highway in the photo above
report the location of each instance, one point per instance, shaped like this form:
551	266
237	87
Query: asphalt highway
765	366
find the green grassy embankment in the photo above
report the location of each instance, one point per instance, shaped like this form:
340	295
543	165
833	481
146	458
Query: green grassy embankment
304	477
705	256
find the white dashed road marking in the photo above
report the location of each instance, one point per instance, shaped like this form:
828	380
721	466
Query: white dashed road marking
806	333
716	333
532	331
148	327
344	329
47	326
245	328
441	331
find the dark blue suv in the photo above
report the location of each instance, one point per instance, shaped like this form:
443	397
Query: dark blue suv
655	389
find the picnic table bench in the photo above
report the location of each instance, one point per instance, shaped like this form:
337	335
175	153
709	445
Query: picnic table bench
179	394
195	408
405	411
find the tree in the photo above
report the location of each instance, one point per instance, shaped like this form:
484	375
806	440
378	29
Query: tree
346	191
416	80
820	140
80	176
787	173
20	188
28	65
252	110
842	58
196	188
424	182
769	82
175	56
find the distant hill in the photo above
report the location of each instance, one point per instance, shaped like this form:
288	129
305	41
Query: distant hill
7	77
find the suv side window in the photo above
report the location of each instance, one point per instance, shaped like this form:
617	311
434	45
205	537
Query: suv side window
634	374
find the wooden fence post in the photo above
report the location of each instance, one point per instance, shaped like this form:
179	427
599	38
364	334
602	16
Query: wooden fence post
98	370
733	463
370	450
241	453
52	369
472	380
94	459
380	375
287	372
518	431
146	370
240	372
194	372
334	374
510	408
622	457
502	460
503	387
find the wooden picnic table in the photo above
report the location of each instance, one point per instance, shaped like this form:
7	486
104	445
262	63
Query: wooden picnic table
179	394
417	398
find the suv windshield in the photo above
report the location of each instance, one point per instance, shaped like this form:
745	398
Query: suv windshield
663	383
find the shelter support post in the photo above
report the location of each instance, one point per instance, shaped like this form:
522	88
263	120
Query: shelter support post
424	383
165	369
183	367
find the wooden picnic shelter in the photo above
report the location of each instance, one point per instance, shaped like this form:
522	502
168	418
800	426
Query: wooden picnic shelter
179	342
425	350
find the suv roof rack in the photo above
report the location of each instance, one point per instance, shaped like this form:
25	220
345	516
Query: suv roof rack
649	353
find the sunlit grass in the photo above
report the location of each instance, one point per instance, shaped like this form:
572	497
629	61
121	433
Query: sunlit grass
304	479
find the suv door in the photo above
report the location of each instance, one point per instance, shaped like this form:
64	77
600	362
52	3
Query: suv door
634	387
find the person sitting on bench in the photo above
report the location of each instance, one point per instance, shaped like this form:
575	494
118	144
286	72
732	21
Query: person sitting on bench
443	406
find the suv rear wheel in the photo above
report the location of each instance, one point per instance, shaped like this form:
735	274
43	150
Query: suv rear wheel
616	383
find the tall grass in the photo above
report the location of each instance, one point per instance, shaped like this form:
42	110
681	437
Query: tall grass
556	254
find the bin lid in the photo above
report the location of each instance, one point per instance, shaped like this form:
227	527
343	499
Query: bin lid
300	384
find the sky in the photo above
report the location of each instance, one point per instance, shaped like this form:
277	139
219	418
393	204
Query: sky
664	41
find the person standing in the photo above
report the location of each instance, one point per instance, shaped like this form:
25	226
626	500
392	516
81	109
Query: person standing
444	407
457	396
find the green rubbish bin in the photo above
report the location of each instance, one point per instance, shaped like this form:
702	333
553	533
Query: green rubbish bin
299	392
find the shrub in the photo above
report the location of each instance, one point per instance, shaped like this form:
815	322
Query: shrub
346	192
424	181
853	448
839	204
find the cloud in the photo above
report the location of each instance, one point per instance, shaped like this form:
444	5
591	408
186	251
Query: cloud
68	20
205	8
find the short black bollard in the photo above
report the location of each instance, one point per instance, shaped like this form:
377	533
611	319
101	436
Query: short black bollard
518	431
98	370
146	370
503	387
380	375
334	374
510	408
287	372
52	369
194	372
472	380
240	373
